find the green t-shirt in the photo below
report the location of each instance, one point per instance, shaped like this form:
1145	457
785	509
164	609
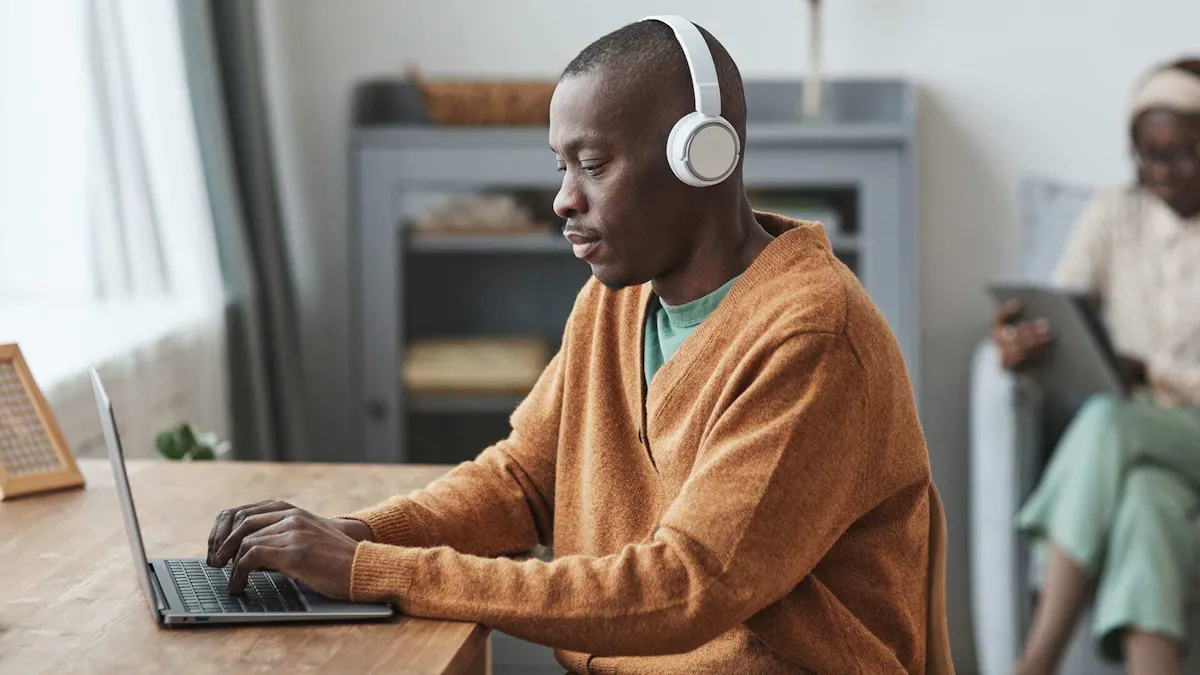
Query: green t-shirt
668	326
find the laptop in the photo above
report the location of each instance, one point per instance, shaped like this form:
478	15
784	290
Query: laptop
187	592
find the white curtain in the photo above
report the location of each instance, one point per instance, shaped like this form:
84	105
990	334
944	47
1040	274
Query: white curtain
101	191
44	97
107	250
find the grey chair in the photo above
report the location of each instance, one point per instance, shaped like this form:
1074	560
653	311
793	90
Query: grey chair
1014	427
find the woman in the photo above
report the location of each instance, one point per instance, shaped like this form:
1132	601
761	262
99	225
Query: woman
1115	505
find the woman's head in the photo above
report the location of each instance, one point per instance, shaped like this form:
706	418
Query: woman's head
1166	134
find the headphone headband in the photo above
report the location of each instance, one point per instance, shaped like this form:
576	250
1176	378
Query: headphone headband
703	148
700	63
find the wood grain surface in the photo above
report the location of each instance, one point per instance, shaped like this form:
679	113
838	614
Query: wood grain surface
70	600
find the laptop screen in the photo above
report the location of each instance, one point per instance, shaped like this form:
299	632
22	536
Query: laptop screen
124	494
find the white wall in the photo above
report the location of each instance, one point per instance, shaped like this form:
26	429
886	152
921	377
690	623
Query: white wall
1009	87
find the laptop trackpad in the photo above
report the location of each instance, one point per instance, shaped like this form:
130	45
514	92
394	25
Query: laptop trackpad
319	603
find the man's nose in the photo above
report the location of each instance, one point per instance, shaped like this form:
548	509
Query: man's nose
569	202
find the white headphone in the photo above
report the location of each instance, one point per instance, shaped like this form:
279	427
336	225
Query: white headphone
703	148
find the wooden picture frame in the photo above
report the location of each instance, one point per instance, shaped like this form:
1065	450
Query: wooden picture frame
34	456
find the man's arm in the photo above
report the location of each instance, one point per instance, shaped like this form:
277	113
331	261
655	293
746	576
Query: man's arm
500	503
778	480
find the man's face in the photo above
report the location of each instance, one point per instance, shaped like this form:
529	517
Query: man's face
626	213
1168	150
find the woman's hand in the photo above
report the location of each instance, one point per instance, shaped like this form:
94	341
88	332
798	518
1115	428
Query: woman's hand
1021	343
1166	393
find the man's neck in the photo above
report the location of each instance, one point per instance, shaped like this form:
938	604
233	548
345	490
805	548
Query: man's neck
721	253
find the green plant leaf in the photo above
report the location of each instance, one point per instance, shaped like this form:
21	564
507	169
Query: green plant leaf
168	445
187	436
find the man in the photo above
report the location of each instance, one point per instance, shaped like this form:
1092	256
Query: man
725	453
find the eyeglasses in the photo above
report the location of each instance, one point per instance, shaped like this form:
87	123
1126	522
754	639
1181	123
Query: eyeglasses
1183	159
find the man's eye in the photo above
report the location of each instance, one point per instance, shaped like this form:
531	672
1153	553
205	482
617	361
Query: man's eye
590	170
562	168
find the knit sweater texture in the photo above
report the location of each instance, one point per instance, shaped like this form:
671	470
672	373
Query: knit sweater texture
761	507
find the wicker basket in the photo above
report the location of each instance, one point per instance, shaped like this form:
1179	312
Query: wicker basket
468	103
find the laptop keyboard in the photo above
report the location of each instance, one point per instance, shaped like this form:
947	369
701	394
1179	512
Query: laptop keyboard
204	590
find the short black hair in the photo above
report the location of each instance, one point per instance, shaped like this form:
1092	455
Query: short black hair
648	50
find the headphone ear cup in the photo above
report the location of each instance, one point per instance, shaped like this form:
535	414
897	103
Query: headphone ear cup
702	150
677	149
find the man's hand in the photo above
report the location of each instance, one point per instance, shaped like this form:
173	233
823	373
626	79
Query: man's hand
1021	343
318	552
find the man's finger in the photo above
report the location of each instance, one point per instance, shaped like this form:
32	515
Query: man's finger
257	553
269	534
256	523
221	527
230	518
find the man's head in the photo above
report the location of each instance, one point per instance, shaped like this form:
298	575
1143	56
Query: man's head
610	117
1166	135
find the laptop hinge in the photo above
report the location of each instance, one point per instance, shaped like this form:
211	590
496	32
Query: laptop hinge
160	598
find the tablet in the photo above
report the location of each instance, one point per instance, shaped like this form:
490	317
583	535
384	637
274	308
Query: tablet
1080	361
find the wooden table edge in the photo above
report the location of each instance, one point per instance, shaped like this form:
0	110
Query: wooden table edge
474	657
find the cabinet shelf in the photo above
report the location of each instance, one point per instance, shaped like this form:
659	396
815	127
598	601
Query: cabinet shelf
453	404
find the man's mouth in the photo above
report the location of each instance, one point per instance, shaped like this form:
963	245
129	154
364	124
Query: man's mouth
582	244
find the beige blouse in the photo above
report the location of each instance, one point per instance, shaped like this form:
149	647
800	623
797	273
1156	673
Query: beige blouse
1143	261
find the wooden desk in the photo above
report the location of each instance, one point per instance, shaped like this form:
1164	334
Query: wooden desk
70	600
